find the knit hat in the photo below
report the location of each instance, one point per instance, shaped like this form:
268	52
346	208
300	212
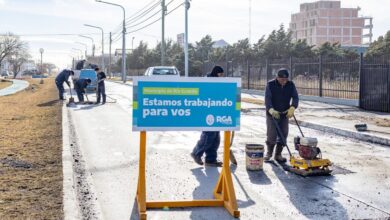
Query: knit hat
283	73
215	71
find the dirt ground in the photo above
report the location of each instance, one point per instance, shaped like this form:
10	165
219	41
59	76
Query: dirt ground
31	153
4	83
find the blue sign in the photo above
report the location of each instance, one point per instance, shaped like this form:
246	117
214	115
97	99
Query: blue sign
178	104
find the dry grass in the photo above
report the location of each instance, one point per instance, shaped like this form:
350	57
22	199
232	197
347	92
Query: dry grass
253	101
4	83
30	153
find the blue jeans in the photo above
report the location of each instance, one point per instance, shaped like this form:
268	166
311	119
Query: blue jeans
61	90
80	95
208	143
101	91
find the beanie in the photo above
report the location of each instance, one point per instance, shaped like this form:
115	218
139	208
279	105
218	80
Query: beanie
283	73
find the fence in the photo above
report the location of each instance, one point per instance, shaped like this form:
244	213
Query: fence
338	78
375	84
363	79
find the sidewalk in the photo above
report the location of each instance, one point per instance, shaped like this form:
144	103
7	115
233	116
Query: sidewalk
17	85
332	118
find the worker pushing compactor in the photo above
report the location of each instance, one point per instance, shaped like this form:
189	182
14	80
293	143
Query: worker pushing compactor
278	95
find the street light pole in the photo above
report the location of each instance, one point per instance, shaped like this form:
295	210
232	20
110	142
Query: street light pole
81	52
41	51
162	33
123	38
132	41
86	48
187	6
93	44
92	26
109	56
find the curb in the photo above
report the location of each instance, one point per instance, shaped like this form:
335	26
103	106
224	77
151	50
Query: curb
341	132
70	202
346	133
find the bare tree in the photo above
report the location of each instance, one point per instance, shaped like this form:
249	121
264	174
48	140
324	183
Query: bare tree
17	59
9	45
46	67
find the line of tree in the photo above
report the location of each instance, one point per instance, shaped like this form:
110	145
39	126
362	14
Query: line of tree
14	50
279	44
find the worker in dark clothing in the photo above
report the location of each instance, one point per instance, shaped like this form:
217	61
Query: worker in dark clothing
209	140
62	77
101	89
80	86
278	95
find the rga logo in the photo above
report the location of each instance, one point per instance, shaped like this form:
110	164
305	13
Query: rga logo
227	120
210	120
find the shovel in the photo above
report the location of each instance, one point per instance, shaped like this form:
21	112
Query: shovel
232	157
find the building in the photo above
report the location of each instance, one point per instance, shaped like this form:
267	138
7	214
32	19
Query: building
325	21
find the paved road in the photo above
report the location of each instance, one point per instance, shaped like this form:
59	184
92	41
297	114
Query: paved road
360	187
17	85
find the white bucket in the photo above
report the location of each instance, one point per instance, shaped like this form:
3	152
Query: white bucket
254	156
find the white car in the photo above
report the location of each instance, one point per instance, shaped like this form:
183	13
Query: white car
5	74
162	71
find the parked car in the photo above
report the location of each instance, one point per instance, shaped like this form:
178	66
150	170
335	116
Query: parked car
162	71
5	74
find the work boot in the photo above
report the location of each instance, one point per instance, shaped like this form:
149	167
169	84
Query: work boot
270	150
278	154
197	159
216	163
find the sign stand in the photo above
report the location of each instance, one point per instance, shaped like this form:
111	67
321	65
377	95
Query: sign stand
224	190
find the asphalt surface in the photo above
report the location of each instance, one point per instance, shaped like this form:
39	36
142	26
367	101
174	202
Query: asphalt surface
359	188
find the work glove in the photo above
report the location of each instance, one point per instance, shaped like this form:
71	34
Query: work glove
275	114
290	111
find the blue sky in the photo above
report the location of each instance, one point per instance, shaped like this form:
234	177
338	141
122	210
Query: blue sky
227	19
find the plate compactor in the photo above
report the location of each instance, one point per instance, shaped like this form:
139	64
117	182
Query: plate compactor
310	161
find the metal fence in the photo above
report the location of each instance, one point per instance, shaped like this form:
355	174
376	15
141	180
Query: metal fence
363	79
338	78
375	84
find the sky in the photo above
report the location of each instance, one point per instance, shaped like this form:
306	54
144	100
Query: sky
54	25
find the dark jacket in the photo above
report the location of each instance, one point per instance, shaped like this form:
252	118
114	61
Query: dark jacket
63	77
279	97
101	75
81	84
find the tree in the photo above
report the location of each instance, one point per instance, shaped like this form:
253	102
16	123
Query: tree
278	44
203	48
10	44
380	47
300	49
330	50
17	59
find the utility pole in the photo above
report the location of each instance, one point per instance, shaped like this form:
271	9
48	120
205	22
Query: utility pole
162	33
187	6
250	21
123	38
109	58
